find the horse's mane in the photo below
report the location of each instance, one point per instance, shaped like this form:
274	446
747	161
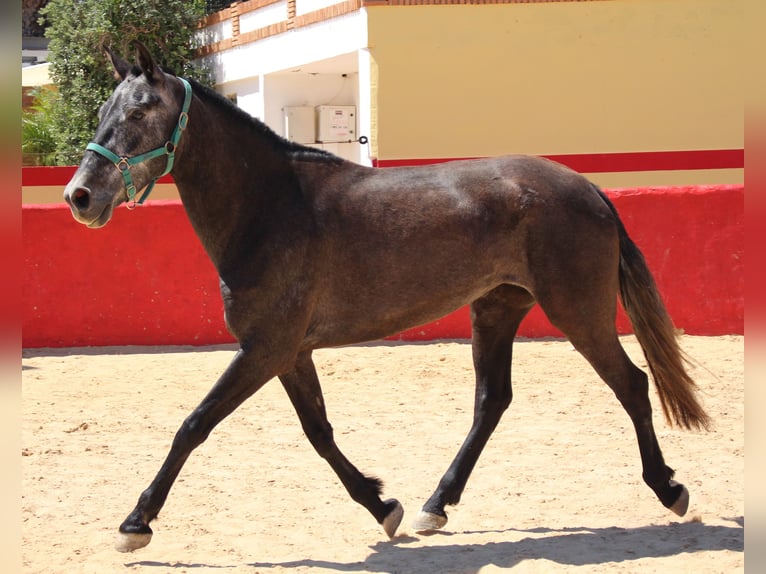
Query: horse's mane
279	143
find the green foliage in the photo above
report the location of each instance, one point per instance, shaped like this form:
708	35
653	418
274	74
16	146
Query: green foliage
37	144
80	29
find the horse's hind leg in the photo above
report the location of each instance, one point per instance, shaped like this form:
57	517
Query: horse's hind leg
495	318
302	386
590	327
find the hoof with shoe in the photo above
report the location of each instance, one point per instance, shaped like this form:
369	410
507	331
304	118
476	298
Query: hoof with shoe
426	521
393	518
681	505
130	541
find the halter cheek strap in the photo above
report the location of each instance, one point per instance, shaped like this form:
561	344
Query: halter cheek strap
123	164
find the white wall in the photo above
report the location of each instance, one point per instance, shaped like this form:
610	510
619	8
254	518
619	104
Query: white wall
322	41
300	89
271	14
306	90
249	94
310	66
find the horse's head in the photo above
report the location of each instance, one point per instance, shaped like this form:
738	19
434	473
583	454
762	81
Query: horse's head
135	141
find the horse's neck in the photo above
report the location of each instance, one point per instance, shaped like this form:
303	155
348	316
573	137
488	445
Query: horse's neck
223	175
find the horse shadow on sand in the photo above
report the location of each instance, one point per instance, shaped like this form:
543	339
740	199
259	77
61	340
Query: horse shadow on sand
571	546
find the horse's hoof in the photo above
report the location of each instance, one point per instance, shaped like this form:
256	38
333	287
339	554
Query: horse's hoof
681	505
426	521
130	541
393	518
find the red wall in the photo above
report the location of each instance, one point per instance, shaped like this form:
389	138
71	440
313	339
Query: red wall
144	279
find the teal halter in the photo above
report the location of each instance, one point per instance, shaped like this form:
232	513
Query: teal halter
123	163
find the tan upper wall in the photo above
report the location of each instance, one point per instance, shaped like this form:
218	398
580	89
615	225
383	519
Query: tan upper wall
558	78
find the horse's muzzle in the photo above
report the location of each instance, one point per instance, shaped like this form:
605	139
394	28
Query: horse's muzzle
85	209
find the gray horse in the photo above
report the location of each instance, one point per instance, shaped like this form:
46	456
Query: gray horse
314	251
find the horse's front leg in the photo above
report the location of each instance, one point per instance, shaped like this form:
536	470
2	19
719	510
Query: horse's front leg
302	386
244	376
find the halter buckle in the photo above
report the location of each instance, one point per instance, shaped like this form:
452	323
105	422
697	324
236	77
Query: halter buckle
131	190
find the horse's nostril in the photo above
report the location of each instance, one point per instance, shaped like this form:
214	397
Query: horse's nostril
81	198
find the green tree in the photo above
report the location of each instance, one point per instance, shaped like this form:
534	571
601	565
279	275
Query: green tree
80	29
37	144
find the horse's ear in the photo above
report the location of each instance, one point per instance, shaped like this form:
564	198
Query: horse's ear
121	67
147	64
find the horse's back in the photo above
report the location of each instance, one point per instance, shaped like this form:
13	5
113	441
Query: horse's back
514	179
482	204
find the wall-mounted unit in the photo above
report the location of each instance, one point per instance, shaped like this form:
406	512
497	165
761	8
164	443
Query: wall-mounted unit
300	125
335	124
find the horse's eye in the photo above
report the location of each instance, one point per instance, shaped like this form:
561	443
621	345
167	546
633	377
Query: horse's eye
136	115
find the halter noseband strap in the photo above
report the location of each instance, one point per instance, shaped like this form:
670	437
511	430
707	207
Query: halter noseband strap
123	164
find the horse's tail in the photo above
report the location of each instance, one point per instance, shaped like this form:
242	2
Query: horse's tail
656	334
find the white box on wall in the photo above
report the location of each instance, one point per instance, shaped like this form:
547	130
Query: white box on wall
335	123
300	126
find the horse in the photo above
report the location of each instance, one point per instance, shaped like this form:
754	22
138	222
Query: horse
314	251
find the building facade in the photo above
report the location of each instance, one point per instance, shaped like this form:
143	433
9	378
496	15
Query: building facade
633	93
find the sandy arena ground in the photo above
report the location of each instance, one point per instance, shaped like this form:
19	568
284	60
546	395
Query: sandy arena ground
558	488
